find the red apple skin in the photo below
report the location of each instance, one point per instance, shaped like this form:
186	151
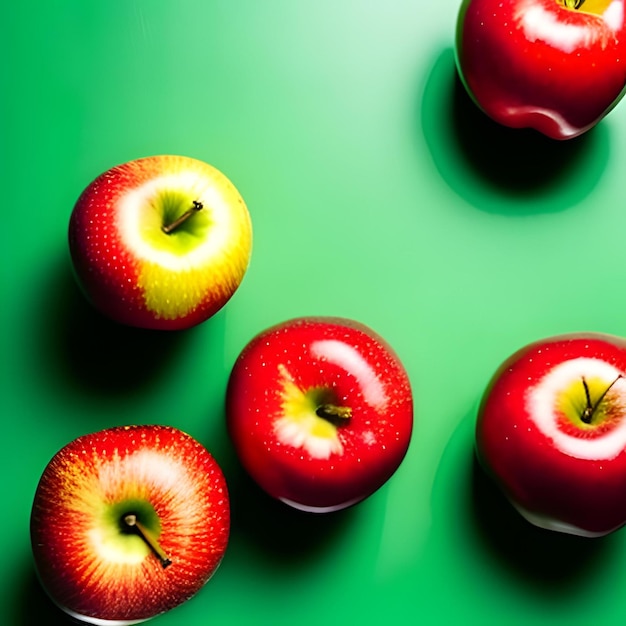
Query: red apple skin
553	489
373	442
158	464
131	290
536	64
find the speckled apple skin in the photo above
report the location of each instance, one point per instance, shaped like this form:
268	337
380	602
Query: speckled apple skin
526	64
160	464
561	492
136	291
375	441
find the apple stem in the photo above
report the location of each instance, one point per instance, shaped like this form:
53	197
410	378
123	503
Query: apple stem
169	228
591	407
334	413
132	522
573	4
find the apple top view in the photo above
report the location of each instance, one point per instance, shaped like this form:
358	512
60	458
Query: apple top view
314	313
162	242
320	412
553	65
128	523
552	431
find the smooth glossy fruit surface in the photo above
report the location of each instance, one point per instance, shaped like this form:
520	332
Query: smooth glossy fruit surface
551	65
551	431
128	523
134	259
320	412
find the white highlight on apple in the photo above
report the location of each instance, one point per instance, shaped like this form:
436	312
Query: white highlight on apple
134	204
102	622
541	24
541	402
299	435
320	509
344	355
550	523
146	468
566	129
614	15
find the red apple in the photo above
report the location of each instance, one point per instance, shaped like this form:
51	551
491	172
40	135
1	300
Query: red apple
161	242
551	431
320	412
558	66
128	523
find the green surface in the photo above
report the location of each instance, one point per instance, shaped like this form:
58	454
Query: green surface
376	192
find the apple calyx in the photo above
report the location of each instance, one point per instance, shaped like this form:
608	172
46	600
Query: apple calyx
133	524
169	228
591	407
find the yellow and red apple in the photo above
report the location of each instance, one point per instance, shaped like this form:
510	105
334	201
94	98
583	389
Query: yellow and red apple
128	523
161	242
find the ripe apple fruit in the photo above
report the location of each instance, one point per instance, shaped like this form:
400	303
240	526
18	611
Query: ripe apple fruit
161	242
320	412
551	431
128	523
553	65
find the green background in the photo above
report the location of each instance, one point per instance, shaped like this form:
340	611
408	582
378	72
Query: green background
377	192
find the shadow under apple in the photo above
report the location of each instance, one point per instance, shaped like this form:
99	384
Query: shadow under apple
267	529
34	606
499	169
82	349
547	560
491	531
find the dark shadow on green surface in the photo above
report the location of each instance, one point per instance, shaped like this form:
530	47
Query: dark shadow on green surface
499	169
551	564
279	535
80	348
548	560
33	607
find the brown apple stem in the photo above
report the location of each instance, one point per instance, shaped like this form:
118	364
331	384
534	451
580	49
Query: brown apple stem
169	228
590	409
334	413
132	522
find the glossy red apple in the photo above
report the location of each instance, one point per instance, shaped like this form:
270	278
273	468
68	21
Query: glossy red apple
161	242
551	431
320	412
558	66
128	523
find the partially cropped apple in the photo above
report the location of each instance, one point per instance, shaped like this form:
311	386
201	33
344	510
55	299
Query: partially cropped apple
553	65
551	431
320	412
128	523
161	242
